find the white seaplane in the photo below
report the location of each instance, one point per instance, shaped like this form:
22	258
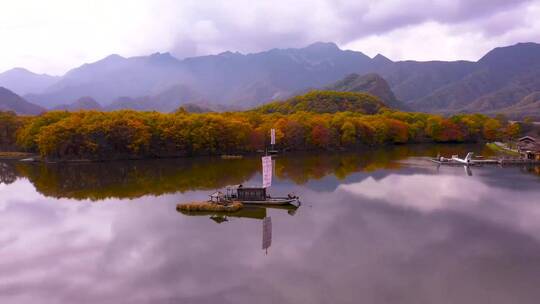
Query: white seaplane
469	160
455	160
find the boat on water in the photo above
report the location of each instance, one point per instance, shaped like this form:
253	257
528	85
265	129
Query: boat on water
251	195
255	195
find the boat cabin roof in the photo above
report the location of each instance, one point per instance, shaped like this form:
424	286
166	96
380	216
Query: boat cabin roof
235	187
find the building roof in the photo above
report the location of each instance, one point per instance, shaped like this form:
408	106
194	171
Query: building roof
527	138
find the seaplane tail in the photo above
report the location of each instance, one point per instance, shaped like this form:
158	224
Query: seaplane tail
467	160
469	157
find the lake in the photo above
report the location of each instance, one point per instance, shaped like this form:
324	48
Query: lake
380	226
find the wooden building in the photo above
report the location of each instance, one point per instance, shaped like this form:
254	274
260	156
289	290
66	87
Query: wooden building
529	147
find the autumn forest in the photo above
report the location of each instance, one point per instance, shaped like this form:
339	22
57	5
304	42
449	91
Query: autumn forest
320	120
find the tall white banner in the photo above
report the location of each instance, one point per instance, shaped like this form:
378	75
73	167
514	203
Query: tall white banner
273	136
267	171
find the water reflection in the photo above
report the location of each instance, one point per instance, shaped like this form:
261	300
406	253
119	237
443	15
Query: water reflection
402	233
7	173
133	179
249	212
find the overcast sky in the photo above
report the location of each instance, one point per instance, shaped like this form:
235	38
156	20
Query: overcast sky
55	35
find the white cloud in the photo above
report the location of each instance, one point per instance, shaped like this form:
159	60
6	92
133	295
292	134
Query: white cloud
426	41
53	36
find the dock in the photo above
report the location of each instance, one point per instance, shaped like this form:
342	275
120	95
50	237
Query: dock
518	161
480	162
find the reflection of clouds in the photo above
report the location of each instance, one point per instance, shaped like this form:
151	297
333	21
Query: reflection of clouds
20	190
141	250
357	244
422	192
473	196
55	247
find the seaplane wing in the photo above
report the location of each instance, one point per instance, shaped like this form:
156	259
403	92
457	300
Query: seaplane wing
467	160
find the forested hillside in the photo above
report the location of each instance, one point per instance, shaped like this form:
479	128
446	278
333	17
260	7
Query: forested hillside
319	120
370	83
326	102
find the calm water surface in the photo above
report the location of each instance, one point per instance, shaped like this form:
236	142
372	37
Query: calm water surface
374	227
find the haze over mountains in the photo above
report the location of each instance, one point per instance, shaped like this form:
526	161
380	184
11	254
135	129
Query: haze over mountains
506	80
10	101
22	81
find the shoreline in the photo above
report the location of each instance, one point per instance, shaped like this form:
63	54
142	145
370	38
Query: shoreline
16	155
33	157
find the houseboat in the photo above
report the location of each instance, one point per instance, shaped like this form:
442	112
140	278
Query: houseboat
250	195
255	195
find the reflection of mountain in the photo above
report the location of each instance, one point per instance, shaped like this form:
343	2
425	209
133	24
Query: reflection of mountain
131	179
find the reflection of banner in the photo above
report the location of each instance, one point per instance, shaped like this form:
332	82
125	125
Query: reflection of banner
267	171
267	233
273	136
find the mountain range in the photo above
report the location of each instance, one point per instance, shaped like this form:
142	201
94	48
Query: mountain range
506	79
10	101
22	82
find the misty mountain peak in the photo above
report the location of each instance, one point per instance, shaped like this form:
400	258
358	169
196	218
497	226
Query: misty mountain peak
381	59
18	70
322	46
228	54
523	53
23	81
162	57
113	57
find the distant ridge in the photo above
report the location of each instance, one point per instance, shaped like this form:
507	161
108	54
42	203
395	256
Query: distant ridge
167	101
228	78
10	101
83	103
22	81
370	83
498	81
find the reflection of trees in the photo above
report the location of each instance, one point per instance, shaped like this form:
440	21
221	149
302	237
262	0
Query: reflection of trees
302	168
531	169
7	173
131	179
